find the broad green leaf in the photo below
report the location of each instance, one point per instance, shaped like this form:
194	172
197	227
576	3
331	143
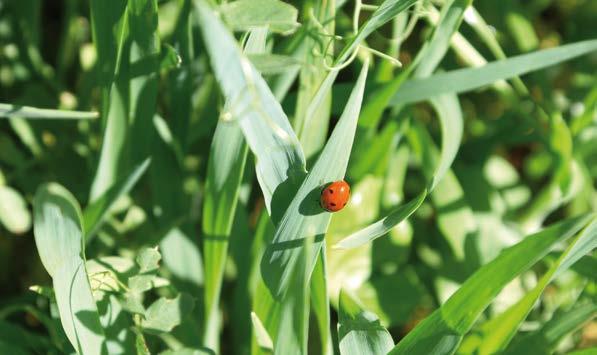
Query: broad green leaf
305	219
543	340
228	156
280	162
180	80
263	339
165	314
96	213
58	234
14	214
18	111
245	15
360	331
463	80
442	331
181	256
500	330
148	259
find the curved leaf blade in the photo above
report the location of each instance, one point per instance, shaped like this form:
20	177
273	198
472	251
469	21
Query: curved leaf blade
463	80
442	331
58	234
249	100
305	219
502	328
360	331
18	111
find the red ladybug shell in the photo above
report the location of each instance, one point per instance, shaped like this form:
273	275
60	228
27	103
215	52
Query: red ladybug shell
335	196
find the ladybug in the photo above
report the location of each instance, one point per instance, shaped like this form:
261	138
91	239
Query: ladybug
335	196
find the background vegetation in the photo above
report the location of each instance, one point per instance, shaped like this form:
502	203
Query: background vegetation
161	164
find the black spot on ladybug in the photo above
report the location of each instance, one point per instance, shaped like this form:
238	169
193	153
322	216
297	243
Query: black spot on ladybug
344	204
333	204
331	191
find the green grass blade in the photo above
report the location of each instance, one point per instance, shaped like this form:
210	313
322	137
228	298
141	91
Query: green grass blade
18	111
383	226
435	50
305	219
384	13
58	229
112	160
442	331
321	302
448	110
311	121
144	69
227	160
359	331
280	159
545	339
450	117
463	80
286	270
108	28
423	65
455	218
500	330
95	214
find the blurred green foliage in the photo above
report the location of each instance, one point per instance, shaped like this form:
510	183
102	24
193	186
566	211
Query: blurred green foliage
172	246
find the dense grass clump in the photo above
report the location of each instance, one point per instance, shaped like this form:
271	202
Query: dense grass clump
162	166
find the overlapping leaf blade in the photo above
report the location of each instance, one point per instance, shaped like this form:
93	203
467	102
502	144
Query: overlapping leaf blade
280	159
97	211
305	219
463	80
446	106
500	330
18	111
360	331
226	166
442	331
58	230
